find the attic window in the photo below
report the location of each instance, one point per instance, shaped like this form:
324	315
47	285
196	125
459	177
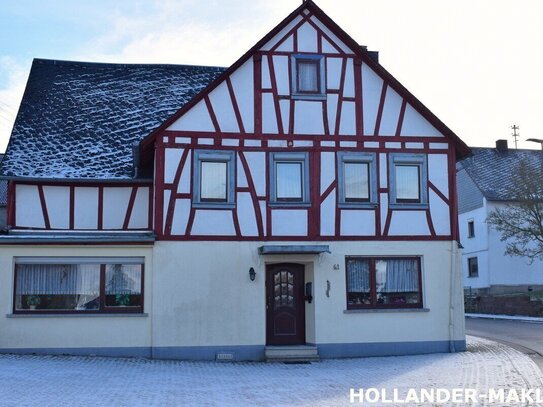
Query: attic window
308	76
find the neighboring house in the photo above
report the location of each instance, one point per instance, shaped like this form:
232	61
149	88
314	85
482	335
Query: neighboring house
300	197
485	180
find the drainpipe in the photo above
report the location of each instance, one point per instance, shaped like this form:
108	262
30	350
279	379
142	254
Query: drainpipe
452	291
136	158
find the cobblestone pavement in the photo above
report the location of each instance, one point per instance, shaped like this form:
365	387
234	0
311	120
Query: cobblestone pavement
93	381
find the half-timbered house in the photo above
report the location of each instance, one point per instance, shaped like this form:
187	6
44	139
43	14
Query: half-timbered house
298	204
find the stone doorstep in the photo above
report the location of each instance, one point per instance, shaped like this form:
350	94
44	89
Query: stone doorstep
297	353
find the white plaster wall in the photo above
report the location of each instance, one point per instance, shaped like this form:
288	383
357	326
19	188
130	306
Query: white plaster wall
281	34
372	85
333	72
257	166
332	104
28	212
213	222
57	200
438	172
139	218
86	208
289	222
115	206
439	211
210	300
357	222
347	124
172	157
328	215
269	117
308	117
223	109
246	214
409	223
348	87
58	331
391	113
328	169
180	216
307	38
416	125
281	66
195	119
243	85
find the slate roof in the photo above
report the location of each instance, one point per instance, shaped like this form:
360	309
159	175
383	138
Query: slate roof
492	171
3	188
78	120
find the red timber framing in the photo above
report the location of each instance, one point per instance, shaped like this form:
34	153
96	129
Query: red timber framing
258	141
45	210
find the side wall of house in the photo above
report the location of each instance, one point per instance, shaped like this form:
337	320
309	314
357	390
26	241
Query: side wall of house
477	246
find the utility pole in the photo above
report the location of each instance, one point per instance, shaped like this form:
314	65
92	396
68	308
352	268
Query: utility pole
515	135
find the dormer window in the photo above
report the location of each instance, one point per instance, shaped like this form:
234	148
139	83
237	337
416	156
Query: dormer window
308	76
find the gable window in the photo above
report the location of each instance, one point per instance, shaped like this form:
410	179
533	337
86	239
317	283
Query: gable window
408	180
473	267
67	285
471	228
289	179
392	282
213	178
357	181
308	76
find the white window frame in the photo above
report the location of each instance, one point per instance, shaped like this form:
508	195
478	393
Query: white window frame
419	160
303	159
361	158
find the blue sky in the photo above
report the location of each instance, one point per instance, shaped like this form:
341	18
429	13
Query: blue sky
475	63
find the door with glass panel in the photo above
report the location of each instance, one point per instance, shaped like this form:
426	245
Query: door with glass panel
285	305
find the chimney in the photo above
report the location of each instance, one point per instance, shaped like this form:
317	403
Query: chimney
501	146
372	54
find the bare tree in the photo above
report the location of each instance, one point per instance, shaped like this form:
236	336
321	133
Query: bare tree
520	221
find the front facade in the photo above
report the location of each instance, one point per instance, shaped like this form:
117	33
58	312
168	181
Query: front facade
485	182
300	197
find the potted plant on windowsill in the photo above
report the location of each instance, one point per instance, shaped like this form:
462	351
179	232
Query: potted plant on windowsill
33	301
122	300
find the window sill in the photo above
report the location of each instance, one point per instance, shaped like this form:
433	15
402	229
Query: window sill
289	204
302	96
383	310
75	315
361	205
473	276
408	205
213	205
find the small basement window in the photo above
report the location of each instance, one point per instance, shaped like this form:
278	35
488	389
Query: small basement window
408	179
308	75
214	180
473	267
289	179
78	285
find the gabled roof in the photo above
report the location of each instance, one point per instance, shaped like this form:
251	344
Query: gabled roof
492	171
79	120
366	56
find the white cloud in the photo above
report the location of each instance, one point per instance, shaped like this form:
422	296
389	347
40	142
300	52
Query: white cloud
10	95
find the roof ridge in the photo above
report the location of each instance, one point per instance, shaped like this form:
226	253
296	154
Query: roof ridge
46	61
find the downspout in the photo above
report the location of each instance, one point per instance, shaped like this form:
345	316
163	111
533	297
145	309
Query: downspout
452	292
136	159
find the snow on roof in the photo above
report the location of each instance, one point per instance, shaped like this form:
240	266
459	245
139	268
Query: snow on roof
492	171
79	120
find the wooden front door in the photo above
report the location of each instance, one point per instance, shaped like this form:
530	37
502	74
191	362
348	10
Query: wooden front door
285	304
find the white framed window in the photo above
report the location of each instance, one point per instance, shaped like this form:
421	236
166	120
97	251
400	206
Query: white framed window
289	179
357	180
308	76
214	178
408	180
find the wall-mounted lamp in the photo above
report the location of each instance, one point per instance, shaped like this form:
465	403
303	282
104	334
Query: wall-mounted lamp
252	274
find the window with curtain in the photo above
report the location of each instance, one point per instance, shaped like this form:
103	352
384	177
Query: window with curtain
307	79
383	282
356	181
73	287
408	180
289	179
407	183
308	76
213	181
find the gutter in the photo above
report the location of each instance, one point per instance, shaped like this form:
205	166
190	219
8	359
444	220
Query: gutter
79	180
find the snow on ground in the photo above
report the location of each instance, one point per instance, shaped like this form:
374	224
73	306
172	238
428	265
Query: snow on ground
93	381
510	317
